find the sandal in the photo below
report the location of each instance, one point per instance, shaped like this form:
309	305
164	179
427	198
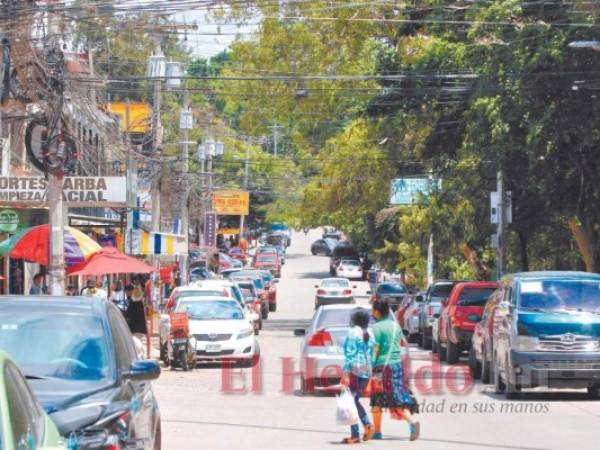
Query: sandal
415	430
369	432
377	436
351	440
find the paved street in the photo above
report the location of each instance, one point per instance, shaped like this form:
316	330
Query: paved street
197	415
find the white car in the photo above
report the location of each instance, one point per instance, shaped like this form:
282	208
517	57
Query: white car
204	288
349	268
220	330
334	291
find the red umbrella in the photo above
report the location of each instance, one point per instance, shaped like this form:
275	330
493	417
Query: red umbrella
110	260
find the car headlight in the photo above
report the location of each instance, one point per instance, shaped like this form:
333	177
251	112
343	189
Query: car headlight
525	343
245	333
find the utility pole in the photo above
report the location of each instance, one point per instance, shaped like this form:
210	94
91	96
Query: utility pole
156	143
185	135
275	127
246	164
501	211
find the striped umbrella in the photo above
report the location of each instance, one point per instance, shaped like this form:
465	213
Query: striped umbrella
32	244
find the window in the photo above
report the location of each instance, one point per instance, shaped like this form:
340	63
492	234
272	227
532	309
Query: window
391	289
122	338
474	296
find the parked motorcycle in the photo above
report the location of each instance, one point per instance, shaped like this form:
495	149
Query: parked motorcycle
182	353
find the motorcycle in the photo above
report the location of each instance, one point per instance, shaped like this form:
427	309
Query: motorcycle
182	353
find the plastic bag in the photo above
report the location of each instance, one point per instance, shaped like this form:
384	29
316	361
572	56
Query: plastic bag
346	413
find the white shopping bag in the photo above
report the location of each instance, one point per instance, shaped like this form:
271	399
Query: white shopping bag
346	413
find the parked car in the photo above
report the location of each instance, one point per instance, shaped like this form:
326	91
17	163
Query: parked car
260	288
546	332
461	311
25	425
253	302
265	249
395	293
81	362
343	250
268	261
321	352
334	290
323	247
238	253
411	317
227	262
336	235
270	282
349	268
432	306
221	330
480	355
281	253
278	238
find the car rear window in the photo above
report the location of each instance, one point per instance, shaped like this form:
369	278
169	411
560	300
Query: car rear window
335	283
391	289
474	296
334	318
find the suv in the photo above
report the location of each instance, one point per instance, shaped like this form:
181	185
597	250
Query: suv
394	293
431	308
547	332
460	314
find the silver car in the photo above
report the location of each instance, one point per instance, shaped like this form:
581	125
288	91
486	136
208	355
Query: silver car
322	353
334	291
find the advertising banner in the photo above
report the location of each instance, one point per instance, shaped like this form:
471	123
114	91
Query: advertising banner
406	191
231	203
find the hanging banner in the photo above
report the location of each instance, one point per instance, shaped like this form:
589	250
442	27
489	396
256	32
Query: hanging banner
210	229
77	191
231	203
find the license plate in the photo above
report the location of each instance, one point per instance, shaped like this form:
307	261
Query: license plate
335	292
213	348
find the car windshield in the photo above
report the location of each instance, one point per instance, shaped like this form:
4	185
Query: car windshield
441	291
335	283
247	292
56	345
347	263
389	288
266	250
334	318
266	259
475	296
211	309
565	295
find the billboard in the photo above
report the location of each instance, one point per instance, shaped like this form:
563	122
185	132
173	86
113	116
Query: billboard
231	203
77	191
406	191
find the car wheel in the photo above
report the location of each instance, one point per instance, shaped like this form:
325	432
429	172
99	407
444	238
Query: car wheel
264	313
157	438
499	386
474	365
452	352
513	390
272	307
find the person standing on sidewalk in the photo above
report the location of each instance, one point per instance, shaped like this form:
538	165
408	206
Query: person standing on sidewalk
388	385
358	358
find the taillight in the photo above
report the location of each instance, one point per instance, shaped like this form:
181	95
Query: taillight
430	310
415	312
321	292
321	338
347	291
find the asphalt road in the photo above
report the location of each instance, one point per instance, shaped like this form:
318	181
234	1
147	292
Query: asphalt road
197	414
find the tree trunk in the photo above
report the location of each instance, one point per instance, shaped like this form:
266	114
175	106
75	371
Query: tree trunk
583	244
482	273
523	247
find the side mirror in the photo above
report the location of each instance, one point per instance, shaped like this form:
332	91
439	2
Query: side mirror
368	292
299	332
143	369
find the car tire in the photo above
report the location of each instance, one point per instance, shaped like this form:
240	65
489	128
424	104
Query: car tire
594	391
474	365
157	438
264	313
513	390
452	352
425	341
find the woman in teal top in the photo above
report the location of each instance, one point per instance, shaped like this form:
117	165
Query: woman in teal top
358	358
389	389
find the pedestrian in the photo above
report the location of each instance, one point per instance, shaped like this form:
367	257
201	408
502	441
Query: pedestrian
117	296
389	389
135	314
71	290
38	287
358	359
90	289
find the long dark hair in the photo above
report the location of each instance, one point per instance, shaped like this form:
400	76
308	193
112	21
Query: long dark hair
360	318
382	306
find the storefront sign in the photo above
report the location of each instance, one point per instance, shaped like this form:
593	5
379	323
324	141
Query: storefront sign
210	229
9	220
231	203
77	191
228	231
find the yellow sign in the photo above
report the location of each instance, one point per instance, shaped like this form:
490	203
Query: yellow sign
140	115
228	231
231	203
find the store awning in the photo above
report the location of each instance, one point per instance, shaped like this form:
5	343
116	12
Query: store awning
140	242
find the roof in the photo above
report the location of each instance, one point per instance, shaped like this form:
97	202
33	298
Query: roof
202	298
555	274
204	284
342	306
72	304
